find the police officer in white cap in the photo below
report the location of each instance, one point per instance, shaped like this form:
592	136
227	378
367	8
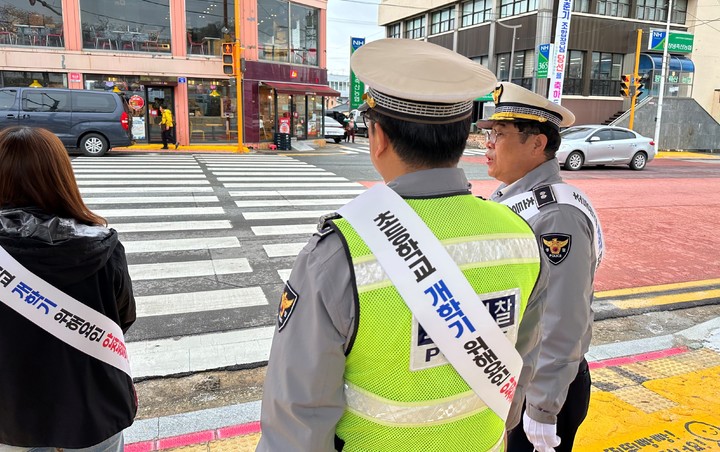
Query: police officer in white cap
522	138
353	366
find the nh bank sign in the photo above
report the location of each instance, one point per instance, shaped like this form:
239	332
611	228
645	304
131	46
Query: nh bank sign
679	42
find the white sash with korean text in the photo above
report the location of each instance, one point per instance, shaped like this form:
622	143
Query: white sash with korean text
526	206
59	314
474	329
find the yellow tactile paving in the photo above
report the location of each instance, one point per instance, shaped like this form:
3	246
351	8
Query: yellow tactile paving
668	367
640	370
644	399
237	444
689	419
203	447
607	379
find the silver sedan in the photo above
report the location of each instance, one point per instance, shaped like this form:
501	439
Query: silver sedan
604	145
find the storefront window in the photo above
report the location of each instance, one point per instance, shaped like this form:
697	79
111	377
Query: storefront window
298	117
130	25
45	79
209	22
211	110
25	23
266	100
303	35
315	117
273	21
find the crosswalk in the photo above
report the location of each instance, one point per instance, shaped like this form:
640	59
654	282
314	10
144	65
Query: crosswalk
365	149
210	239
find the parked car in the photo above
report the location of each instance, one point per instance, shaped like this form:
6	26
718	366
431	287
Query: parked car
361	129
91	121
333	130
604	145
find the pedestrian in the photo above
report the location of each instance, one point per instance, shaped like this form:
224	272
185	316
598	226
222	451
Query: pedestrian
350	127
408	342
522	138
65	301
167	126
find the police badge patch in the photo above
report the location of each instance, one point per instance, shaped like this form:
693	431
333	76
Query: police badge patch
556	247
288	300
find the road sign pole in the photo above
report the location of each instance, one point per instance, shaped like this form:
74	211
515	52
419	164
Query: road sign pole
238	81
636	77
663	72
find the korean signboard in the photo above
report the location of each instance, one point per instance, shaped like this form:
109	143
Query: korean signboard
557	66
679	42
357	88
543	61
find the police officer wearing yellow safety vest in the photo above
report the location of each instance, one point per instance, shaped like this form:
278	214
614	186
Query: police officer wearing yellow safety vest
522	138
400	325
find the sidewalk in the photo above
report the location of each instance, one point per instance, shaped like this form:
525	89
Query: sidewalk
658	394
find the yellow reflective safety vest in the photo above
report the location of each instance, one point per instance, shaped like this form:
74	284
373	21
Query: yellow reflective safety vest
401	394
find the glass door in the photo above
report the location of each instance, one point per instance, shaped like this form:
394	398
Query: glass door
299	117
157	96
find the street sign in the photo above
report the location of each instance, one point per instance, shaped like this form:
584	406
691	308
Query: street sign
543	61
486	98
680	42
357	88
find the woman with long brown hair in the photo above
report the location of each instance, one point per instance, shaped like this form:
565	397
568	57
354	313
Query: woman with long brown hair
54	394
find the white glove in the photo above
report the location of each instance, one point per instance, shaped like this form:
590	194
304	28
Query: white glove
542	436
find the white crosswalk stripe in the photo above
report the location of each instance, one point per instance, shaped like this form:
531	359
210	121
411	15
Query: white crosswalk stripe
209	240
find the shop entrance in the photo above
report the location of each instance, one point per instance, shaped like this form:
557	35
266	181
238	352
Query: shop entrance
157	96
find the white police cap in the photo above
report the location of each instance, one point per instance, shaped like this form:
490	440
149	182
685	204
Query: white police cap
418	81
515	103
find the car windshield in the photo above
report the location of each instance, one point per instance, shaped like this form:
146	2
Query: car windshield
576	132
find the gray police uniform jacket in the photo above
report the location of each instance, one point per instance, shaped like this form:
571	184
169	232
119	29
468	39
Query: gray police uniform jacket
567	323
303	394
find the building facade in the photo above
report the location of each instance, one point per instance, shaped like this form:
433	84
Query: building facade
505	36
168	52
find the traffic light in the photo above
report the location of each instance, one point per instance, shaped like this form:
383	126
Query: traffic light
640	84
228	58
625	85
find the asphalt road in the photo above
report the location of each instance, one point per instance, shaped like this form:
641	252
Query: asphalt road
210	238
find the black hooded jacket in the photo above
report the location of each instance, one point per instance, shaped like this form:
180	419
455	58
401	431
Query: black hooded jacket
52	394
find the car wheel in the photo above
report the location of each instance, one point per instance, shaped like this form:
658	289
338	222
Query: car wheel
337	140
574	161
638	161
93	145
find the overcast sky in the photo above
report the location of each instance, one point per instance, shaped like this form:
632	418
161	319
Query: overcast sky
346	19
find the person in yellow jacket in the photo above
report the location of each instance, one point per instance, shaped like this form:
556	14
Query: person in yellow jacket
351	368
167	125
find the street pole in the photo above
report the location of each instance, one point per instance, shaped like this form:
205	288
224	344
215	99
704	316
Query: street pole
663	72
633	99
512	47
238	80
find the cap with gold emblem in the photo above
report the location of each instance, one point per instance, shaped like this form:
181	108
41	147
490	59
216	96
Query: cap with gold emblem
419	82
515	103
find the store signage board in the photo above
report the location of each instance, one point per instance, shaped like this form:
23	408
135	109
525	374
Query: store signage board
679	42
543	61
357	88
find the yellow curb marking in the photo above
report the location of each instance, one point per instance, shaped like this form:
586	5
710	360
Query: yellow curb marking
684	155
658	288
666	299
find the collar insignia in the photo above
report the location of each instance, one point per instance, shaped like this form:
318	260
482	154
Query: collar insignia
556	247
288	300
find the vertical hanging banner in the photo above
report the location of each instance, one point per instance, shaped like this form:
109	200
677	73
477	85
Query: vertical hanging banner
543	61
557	67
357	88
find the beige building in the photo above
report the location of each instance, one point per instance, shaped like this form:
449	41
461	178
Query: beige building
601	45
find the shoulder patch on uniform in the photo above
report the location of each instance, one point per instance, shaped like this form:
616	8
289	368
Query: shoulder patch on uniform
544	195
324	219
288	301
556	246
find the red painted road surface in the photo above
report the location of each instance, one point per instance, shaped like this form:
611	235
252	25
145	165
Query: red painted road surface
662	224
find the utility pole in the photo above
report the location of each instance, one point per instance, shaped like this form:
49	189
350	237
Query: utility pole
512	47
636	76
663	72
238	80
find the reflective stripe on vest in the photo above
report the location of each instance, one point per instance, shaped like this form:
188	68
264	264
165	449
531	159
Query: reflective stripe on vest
485	251
411	414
